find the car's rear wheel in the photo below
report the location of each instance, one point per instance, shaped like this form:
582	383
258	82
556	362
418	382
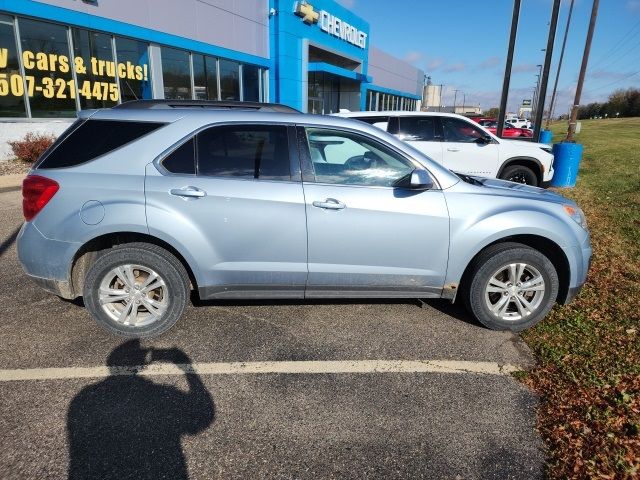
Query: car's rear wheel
136	290
512	287
520	174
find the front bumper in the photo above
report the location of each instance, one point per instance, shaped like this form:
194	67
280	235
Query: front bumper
579	262
48	262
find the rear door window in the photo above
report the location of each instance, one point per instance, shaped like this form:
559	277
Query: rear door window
418	129
381	121
244	151
459	131
94	138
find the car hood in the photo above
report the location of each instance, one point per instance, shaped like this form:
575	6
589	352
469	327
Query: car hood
518	190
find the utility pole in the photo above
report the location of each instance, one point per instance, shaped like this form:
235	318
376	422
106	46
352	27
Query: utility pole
507	68
542	92
440	97
583	70
455	97
464	101
555	84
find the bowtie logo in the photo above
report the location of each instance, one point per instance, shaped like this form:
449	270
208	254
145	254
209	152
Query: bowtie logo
306	11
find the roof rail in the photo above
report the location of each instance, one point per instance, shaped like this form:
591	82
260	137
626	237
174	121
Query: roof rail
212	104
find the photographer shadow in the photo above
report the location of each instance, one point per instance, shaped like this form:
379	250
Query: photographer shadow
127	426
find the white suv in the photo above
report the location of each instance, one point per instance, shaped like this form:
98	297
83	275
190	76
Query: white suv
463	146
519	122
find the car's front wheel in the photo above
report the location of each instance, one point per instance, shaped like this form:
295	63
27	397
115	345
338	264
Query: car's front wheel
511	287
136	290
520	174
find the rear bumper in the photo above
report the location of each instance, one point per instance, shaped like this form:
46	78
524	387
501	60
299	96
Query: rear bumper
47	262
57	287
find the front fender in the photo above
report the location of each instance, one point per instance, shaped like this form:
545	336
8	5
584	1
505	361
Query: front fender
472	233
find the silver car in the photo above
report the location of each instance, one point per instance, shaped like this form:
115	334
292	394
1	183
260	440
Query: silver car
136	206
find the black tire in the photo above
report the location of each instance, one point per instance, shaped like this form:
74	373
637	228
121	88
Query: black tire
167	266
491	260
520	174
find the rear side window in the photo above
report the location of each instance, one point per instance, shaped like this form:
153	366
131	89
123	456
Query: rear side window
245	151
94	138
418	128
182	159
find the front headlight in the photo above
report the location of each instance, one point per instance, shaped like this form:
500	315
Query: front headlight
547	149
576	214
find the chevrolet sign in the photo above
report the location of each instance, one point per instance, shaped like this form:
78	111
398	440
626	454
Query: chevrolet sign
331	24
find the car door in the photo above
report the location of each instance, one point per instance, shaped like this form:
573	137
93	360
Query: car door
423	133
466	151
366	236
238	210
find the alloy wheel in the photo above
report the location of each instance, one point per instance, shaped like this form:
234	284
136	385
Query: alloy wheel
133	295
515	291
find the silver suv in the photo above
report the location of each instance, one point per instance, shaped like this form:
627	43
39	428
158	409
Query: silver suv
136	206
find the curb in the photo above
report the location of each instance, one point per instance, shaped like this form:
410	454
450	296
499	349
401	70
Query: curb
9	183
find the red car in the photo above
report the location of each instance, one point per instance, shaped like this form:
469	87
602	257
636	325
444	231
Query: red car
509	131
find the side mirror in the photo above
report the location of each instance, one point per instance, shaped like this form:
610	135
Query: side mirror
486	138
420	180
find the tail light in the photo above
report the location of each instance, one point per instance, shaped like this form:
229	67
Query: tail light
36	193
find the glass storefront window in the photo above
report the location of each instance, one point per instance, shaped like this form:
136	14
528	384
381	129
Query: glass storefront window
250	83
97	87
47	64
229	80
176	73
11	82
133	69
205	77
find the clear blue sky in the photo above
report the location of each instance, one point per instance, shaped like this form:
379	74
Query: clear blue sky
463	44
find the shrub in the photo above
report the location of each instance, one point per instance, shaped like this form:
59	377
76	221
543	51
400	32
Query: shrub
31	146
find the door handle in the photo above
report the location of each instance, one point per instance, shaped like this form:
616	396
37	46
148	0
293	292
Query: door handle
452	149
188	192
330	204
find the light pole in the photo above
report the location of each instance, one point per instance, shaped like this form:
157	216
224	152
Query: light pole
536	91
455	97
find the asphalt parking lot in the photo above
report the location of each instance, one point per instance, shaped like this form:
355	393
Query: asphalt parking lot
328	390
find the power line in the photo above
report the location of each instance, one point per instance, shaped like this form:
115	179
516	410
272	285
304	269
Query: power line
619	43
616	58
614	82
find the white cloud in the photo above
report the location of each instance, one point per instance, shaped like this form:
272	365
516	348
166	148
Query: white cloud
633	6
455	67
412	56
435	64
489	63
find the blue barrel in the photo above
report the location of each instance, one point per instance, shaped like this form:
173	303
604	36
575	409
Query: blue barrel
566	164
546	136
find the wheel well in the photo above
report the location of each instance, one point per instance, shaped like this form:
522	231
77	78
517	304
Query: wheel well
531	163
545	246
88	253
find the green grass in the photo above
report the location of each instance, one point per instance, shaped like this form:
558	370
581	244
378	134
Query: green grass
610	171
588	352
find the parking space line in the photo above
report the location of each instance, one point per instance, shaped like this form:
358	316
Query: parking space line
284	367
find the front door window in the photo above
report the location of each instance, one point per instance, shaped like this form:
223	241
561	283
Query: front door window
346	158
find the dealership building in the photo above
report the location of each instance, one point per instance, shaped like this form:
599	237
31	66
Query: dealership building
61	56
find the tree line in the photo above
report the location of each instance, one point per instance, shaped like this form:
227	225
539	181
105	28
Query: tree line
621	103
